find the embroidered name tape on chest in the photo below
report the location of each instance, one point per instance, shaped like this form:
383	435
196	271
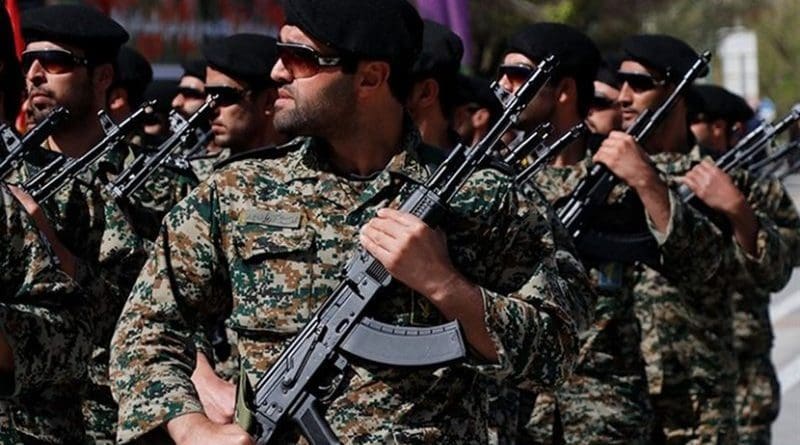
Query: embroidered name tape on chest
287	220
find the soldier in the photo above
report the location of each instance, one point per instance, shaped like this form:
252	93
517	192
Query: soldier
238	71
435	74
605	400
604	112
263	240
68	60
476	110
718	124
191	92
45	338
719	119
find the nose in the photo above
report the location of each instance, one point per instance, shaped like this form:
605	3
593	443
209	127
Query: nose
36	73
506	83
625	95
279	73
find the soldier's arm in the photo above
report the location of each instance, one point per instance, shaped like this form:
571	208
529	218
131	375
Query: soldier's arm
45	320
152	353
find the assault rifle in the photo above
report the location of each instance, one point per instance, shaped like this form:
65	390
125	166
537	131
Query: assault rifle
135	175
286	392
544	153
17	146
61	170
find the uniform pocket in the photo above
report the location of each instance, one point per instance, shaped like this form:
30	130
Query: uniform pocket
272	284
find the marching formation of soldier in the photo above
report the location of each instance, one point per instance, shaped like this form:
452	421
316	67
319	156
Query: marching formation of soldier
580	253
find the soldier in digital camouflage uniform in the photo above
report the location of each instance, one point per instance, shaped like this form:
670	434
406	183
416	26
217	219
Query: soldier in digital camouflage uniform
264	240
68	61
45	336
237	69
605	401
687	331
719	118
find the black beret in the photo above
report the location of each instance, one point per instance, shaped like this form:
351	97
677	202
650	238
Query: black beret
441	53
78	25
715	102
387	30
194	68
578	56
246	57
607	73
163	91
471	89
132	68
670	56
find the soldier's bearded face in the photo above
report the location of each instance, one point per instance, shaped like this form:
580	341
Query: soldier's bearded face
633	99
314	105
235	125
541	108
73	89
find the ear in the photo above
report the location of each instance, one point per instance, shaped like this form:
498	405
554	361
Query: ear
117	98
566	90
480	118
371	77
103	77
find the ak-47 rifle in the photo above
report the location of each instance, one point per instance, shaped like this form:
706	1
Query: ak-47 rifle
135	175
769	166
17	146
61	170
286	392
544	153
592	192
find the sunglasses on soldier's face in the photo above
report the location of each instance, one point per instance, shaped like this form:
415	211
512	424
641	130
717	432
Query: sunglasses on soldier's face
53	61
190	93
639	82
304	61
601	103
225	95
515	73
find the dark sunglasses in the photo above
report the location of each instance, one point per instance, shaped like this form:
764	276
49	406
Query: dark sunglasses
639	82
304	61
54	61
515	73
226	95
190	93
602	103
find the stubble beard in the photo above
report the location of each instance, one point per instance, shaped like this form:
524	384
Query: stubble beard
323	117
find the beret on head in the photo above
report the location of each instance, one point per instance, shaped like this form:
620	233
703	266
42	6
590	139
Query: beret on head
441	53
163	91
578	56
607	73
714	102
78	25
246	57
133	72
194	68
387	30
471	89
666	54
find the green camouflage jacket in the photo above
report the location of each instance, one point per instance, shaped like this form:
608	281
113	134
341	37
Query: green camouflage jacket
262	242
48	323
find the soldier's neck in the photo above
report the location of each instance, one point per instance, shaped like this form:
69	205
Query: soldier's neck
576	151
368	143
77	139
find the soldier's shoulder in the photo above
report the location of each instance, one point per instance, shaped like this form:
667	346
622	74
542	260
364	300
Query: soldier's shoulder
259	155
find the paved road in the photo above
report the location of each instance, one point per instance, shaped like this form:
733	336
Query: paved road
785	312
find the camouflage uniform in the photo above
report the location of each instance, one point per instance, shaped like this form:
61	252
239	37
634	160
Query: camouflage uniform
96	230
687	332
606	399
48	324
264	242
203	165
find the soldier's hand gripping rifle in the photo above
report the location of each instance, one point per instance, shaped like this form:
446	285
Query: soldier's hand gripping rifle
136	174
61	171
287	392
593	191
17	146
544	153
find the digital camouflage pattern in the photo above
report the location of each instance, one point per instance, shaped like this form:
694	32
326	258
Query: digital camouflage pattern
688	331
48	323
203	165
96	230
262	242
